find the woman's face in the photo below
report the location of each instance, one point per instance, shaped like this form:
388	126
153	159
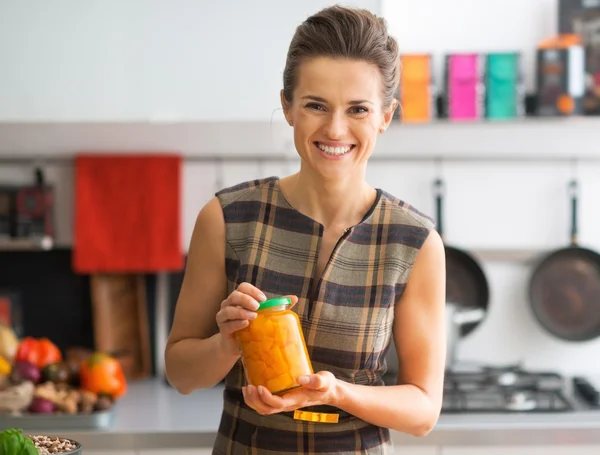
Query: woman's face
337	113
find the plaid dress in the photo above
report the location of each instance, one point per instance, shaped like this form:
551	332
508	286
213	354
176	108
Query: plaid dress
348	323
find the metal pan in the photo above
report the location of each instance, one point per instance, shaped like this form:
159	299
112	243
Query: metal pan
466	284
564	288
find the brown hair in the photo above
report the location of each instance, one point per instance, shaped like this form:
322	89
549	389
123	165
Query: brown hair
342	32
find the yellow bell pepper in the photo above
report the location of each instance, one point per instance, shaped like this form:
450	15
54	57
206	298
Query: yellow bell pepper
5	367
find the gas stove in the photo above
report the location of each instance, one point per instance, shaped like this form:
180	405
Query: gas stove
511	388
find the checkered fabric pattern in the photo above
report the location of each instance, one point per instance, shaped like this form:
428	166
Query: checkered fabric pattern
346	315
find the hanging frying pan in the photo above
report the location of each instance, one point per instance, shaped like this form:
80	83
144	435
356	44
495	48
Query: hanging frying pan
565	287
466	284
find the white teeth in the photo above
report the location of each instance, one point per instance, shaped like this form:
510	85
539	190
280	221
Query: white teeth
334	150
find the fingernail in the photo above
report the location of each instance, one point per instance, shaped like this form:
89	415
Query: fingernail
303	380
263	297
252	315
261	390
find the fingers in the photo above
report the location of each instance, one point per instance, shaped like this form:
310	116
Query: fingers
239	308
228	328
232	318
234	313
270	400
252	291
264	402
255	400
321	381
293	298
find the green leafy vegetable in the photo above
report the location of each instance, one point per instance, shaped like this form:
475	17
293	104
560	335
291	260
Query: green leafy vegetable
14	442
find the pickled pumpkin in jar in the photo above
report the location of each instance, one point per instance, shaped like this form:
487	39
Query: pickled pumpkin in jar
273	348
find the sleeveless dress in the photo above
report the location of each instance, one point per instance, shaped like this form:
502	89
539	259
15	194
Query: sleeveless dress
346	317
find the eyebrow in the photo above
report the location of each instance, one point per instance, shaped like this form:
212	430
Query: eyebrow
323	100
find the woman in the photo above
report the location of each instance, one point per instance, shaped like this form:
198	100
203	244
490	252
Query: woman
363	268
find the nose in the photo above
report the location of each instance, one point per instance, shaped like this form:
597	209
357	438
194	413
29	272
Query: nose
336	125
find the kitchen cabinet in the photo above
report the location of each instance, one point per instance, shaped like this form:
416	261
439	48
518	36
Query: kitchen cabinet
523	450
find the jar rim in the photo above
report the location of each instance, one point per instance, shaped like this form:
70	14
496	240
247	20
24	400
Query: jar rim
278	301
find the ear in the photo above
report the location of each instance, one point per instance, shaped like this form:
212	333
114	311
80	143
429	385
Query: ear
286	108
388	115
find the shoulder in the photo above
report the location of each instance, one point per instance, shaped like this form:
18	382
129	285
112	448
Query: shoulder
405	213
417	230
245	191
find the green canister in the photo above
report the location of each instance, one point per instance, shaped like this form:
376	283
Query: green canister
505	91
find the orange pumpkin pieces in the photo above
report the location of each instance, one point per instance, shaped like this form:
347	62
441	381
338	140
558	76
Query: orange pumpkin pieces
274	352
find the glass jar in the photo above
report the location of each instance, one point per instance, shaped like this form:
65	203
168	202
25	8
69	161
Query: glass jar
273	348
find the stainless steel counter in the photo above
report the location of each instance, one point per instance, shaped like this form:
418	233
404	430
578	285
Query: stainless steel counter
153	415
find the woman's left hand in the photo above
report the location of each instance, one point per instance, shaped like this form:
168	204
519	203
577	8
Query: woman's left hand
317	389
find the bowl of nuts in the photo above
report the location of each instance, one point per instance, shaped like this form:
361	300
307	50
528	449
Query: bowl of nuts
48	445
14	442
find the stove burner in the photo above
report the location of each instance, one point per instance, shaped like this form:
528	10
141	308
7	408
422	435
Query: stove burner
520	401
509	378
504	389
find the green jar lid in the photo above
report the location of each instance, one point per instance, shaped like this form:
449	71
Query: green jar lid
274	302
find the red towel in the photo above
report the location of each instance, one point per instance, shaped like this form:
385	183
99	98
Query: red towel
127	213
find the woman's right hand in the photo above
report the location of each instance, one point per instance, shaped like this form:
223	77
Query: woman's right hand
236	311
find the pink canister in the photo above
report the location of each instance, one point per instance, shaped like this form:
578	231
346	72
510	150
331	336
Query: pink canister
464	86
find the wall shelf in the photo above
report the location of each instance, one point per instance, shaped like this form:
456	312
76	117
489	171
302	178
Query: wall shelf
524	256
538	139
34	244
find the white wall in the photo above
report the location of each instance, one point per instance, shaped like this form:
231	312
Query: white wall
62	61
146	60
438	27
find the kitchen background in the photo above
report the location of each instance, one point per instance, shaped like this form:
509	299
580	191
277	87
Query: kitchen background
203	80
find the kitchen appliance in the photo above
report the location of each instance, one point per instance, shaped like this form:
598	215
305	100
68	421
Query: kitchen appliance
560	76
505	91
466	283
565	287
582	17
513	389
464	83
26	212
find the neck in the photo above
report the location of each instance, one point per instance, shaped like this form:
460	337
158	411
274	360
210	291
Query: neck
336	204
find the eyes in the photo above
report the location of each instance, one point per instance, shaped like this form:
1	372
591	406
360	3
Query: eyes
354	110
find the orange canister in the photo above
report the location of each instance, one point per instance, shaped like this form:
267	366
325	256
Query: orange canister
273	348
416	88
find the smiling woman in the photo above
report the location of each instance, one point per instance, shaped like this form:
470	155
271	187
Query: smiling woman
361	267
330	121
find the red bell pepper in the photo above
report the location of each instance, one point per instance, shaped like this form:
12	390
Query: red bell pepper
38	351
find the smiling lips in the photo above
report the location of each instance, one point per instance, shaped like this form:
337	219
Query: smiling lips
337	150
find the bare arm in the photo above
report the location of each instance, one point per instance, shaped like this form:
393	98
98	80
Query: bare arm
413	406
198	355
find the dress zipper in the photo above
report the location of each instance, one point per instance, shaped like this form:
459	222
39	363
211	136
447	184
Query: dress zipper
315	293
